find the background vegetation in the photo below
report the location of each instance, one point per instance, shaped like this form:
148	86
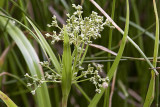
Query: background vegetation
133	74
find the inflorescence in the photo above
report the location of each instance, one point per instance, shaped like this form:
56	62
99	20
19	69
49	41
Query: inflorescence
80	31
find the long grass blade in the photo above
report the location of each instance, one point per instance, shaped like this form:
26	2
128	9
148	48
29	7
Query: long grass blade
67	69
151	89
31	59
7	100
107	92
116	62
46	46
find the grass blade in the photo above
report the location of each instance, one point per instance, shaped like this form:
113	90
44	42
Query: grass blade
30	57
151	89
67	69
107	92
116	62
7	100
122	46
46	46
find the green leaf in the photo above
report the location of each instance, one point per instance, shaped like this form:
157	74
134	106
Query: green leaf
7	100
150	93
114	66
67	69
46	46
1	3
151	89
30	57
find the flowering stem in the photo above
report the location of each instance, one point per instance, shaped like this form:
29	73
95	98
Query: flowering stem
82	80
85	52
81	51
51	70
64	100
75	60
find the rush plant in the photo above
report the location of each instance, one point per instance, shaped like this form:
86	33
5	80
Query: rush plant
78	32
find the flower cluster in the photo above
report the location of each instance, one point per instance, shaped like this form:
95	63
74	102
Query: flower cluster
95	78
37	82
80	32
80	29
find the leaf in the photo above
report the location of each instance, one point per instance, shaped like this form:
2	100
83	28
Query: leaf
150	93
151	89
46	46
114	66
67	68
30	57
7	100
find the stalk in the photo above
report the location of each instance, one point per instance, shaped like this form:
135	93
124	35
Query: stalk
140	39
114	66
64	100
107	92
151	90
156	54
67	70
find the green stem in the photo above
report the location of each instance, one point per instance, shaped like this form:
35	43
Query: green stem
83	93
84	53
75	60
156	53
140	40
64	100
107	91
157	91
81	50
23	8
151	90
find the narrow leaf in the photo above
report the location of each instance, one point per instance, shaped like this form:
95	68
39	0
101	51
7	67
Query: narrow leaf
67	69
110	74
7	100
46	46
30	57
151	89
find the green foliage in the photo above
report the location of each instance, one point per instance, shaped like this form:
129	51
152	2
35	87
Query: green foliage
151	89
7	100
30	57
75	71
67	69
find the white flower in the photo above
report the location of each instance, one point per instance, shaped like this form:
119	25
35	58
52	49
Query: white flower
48	35
29	84
33	92
54	17
27	75
98	91
105	84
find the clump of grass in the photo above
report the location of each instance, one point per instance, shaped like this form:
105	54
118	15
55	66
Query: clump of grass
77	32
69	68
